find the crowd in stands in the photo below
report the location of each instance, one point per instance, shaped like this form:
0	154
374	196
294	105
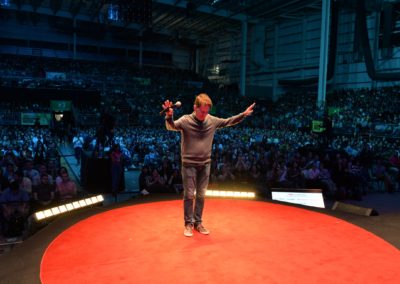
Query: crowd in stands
121	85
31	177
279	150
357	151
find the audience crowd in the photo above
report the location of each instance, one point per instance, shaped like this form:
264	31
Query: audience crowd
356	151
31	176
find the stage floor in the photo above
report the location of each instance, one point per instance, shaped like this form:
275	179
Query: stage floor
142	240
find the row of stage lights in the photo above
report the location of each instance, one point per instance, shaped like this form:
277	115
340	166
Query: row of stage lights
234	194
40	215
44	214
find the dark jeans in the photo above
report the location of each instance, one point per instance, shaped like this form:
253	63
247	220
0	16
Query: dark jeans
195	182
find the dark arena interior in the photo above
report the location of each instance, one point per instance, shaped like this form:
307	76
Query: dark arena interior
303	186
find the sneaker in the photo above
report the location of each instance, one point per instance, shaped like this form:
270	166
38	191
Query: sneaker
202	230
188	232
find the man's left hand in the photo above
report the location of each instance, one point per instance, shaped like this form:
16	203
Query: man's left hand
249	110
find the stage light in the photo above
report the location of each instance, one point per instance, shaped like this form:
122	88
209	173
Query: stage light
62	208
47	213
55	211
232	194
40	215
76	205
88	201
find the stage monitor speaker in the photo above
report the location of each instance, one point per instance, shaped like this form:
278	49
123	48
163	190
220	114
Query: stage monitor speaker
303	196
350	208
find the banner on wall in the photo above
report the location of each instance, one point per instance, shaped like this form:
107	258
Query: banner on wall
142	81
317	126
29	118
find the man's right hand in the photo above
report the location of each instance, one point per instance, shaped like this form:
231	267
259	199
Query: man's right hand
170	111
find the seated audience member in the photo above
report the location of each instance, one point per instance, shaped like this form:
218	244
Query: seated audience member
66	189
354	170
9	171
255	175
52	169
326	180
175	181
8	158
394	159
294	176
59	175
281	172
166	169
143	176
225	174
43	193
241	167
312	176
31	172
43	170
380	172
24	182
15	209
156	183
39	156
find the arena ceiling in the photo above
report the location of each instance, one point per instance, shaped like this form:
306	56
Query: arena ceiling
193	19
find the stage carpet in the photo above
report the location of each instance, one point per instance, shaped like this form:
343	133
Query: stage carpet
250	242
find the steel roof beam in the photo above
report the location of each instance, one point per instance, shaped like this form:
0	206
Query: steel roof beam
208	10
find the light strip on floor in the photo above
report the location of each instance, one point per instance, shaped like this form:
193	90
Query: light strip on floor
234	194
40	215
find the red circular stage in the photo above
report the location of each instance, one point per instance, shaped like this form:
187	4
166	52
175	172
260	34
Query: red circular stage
250	242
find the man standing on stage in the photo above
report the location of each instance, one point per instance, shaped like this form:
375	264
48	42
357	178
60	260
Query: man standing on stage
197	134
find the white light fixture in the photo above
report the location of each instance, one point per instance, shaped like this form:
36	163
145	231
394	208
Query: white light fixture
76	205
55	211
62	208
40	215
